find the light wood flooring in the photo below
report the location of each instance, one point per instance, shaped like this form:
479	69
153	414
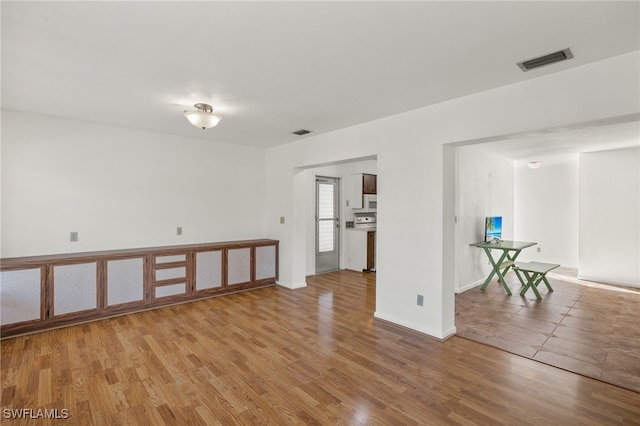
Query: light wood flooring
587	328
276	356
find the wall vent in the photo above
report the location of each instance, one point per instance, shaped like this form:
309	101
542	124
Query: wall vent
551	58
301	132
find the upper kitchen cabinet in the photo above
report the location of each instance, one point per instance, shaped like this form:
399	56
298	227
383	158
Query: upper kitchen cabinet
362	183
369	184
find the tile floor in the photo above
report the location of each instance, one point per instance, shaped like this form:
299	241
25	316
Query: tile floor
588	328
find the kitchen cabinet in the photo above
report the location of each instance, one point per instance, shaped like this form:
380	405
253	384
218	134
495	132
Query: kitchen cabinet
371	250
360	248
369	184
356	250
362	183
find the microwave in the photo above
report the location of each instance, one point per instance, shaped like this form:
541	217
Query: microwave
370	202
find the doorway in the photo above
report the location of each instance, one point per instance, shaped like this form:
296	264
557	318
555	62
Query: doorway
327	224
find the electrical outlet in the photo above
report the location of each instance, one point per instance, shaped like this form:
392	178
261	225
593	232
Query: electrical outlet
420	300
281	219
73	237
179	230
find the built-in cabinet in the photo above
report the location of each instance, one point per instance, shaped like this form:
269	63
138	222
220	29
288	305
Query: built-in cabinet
361	245
361	184
360	250
355	250
50	291
369	184
371	251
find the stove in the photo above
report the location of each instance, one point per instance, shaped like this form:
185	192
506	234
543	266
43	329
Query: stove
365	221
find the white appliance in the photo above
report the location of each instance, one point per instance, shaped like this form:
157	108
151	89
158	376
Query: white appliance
366	221
369	203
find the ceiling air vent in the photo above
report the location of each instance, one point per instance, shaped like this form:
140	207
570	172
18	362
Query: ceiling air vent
301	132
546	60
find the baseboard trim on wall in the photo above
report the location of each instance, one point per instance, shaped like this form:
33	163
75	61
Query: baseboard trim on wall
470	286
608	281
434	334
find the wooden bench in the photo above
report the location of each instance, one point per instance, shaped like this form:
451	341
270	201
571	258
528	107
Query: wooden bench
535	272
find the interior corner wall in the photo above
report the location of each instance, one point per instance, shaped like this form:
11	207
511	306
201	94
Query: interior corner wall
609	247
121	188
485	188
546	209
410	155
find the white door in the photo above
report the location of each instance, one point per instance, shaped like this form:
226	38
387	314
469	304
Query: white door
327	224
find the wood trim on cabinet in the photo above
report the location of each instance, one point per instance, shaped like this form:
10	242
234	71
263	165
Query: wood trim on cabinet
45	302
46	264
371	250
101	290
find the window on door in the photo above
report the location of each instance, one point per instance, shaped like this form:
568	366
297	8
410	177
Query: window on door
327	224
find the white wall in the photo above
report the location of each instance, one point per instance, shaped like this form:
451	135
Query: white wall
484	188
609	248
546	209
410	158
121	188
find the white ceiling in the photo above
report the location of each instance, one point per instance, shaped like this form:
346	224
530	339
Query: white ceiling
615	133
274	67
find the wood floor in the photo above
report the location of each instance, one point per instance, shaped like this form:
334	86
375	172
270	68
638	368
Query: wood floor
587	328
277	356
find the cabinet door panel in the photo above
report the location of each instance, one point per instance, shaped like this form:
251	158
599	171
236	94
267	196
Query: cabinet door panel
170	290
239	266
74	288
369	184
20	295
208	269
265	262
125	281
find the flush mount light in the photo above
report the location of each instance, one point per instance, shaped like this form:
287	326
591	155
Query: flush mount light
204	117
534	164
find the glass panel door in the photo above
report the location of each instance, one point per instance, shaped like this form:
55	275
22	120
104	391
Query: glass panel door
327	224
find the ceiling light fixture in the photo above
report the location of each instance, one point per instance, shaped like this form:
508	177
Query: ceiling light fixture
204	117
534	164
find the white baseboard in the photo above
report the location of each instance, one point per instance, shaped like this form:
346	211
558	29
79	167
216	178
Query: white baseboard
291	286
470	286
608	281
440	335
